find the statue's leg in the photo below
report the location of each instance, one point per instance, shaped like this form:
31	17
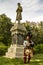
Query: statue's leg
18	21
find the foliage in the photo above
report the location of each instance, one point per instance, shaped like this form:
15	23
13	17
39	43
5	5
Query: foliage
38	34
38	48
3	49
36	29
5	26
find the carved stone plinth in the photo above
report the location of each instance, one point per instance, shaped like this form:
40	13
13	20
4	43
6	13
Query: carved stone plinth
15	51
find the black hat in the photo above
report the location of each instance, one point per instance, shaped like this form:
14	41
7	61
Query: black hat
29	34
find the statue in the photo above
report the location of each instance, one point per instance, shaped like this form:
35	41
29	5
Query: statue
19	11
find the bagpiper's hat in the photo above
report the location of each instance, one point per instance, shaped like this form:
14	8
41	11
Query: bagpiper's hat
29	34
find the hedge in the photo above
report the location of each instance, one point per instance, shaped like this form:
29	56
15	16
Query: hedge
38	48
3	49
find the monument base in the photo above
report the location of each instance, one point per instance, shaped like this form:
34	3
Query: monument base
15	51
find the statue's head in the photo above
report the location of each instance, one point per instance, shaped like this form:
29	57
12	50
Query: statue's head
18	4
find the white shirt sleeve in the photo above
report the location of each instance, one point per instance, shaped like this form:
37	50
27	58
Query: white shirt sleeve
24	44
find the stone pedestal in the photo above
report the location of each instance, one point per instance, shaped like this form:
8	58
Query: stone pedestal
17	32
15	51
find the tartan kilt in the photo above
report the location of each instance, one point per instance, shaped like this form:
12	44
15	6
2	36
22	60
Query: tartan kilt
28	52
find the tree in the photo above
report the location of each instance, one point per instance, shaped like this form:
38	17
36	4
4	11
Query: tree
5	26
36	29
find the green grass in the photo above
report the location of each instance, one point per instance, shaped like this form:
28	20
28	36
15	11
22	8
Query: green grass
34	61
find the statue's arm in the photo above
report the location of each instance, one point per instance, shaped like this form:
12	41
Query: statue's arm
17	10
21	9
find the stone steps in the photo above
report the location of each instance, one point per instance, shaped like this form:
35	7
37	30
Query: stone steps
15	51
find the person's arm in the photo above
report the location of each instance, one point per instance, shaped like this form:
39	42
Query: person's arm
32	43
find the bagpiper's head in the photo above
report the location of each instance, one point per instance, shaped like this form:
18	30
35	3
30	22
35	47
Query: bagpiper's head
27	37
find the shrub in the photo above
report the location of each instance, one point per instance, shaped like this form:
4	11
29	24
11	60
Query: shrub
3	49
38	48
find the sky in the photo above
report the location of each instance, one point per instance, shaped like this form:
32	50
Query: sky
32	9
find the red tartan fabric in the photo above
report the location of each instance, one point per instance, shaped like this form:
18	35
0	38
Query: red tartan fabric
25	57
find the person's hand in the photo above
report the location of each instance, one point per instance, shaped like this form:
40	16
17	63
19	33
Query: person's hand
28	44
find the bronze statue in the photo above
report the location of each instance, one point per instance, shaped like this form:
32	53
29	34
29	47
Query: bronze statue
19	11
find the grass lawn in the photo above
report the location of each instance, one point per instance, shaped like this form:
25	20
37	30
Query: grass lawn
36	60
